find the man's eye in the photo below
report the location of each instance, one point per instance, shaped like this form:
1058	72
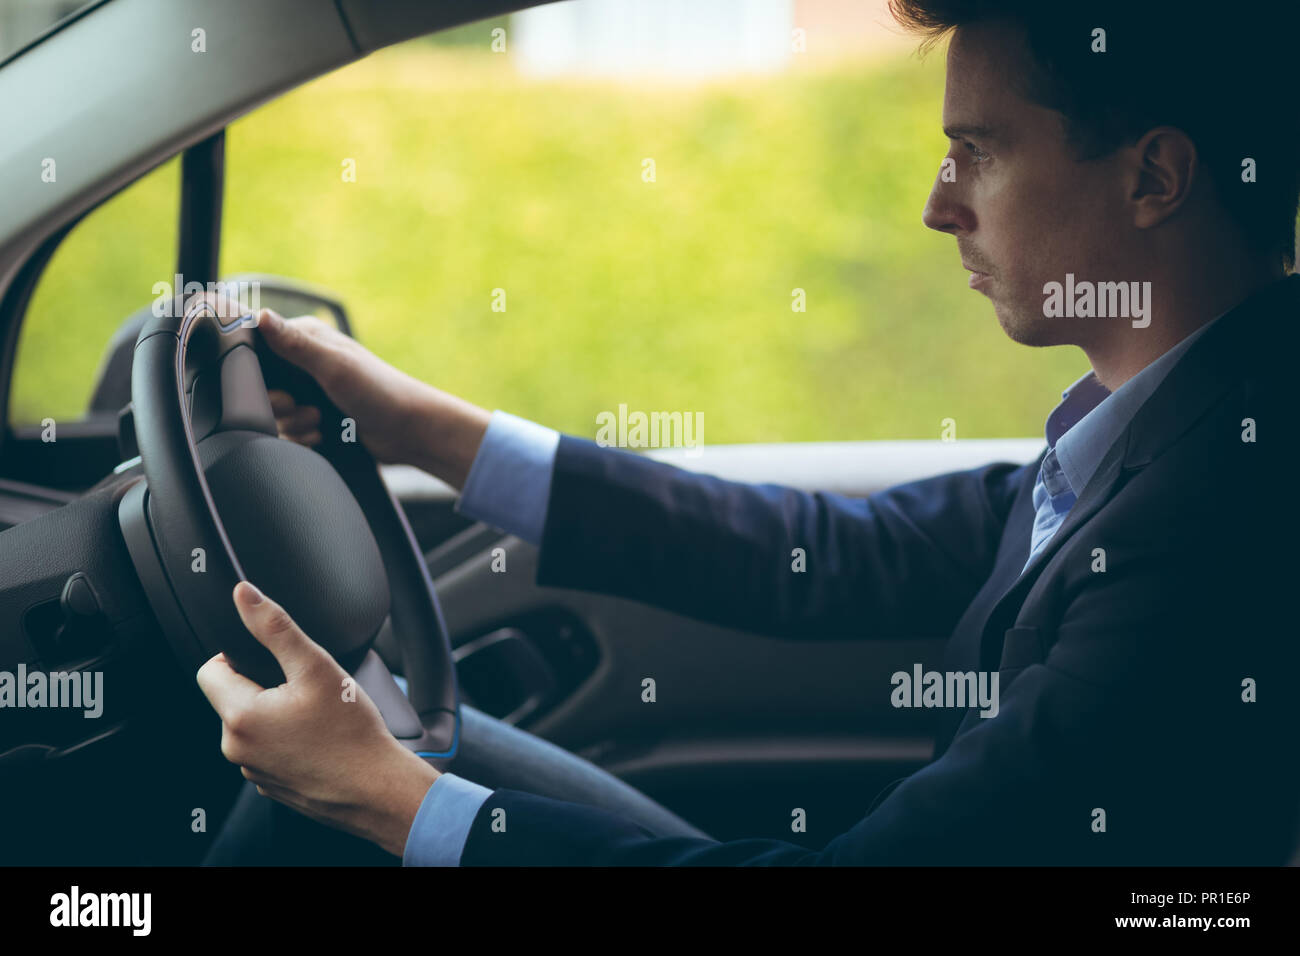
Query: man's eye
978	153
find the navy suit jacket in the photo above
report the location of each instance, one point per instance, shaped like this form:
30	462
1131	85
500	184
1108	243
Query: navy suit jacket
1124	690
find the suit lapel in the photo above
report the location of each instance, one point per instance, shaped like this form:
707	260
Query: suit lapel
1104	484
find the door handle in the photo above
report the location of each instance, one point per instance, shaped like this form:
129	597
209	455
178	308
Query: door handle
505	674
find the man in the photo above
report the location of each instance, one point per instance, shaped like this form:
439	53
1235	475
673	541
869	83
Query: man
1123	180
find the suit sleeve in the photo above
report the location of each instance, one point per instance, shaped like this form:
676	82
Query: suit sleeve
905	561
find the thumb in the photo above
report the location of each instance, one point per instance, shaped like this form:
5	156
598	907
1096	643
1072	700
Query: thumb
272	626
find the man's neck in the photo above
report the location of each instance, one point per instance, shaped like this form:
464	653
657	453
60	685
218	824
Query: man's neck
1180	306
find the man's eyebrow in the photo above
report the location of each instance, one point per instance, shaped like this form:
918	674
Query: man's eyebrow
969	132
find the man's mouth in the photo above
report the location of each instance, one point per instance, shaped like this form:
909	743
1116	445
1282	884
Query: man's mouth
977	278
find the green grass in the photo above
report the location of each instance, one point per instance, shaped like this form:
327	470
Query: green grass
672	295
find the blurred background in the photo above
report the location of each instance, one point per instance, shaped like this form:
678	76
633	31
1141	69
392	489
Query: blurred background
792	145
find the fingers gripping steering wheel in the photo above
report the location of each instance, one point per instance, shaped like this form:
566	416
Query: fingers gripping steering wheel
225	500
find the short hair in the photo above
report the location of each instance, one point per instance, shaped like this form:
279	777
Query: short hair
1219	75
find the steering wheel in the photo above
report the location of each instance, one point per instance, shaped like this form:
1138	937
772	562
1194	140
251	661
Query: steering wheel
225	500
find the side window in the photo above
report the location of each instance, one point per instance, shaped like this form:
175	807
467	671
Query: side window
104	271
601	222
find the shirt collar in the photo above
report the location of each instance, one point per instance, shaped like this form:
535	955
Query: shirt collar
1090	418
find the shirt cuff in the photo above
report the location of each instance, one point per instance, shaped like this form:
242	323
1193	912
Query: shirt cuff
509	483
442	825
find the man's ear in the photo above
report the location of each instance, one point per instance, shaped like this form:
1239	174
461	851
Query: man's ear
1163	168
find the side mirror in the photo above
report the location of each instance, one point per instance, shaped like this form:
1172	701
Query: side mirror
289	297
292	297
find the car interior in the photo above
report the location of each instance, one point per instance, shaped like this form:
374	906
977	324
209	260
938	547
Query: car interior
745	726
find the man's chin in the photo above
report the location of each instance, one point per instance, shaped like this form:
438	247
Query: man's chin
1027	328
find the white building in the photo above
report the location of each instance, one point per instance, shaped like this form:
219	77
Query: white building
680	38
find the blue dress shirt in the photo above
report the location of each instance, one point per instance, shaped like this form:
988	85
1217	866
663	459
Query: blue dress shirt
509	486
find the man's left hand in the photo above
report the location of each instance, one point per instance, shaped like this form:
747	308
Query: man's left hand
317	743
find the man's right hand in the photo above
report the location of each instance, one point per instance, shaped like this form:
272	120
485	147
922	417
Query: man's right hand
398	418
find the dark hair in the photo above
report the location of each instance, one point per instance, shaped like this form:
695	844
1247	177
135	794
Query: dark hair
1219	75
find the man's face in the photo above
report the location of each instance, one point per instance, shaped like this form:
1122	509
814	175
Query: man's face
1024	211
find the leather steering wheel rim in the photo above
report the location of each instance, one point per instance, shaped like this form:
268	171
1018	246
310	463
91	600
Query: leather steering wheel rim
201	368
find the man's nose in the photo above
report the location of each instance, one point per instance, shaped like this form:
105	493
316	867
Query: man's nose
944	211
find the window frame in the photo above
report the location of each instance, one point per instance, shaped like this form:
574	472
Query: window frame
78	460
